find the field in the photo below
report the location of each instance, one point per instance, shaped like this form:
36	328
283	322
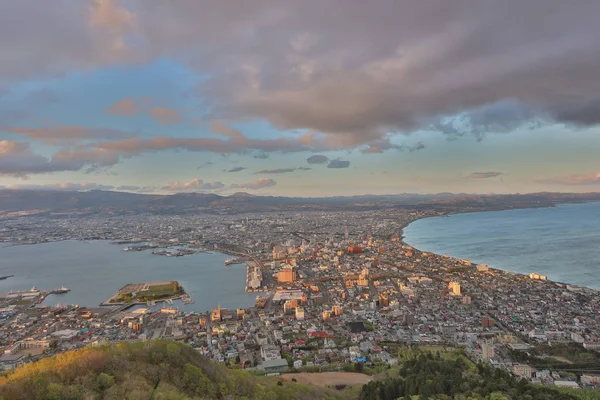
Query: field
141	292
329	378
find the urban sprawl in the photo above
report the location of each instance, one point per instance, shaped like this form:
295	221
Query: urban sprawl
334	289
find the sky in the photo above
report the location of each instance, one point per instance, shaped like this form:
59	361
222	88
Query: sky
300	98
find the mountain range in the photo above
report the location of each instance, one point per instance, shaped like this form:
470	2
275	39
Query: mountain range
96	202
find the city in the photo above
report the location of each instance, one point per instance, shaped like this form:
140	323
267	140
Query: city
333	289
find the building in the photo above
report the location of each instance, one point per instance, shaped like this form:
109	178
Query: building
354	250
454	288
286	275
11	361
523	370
270	352
279	253
326	315
487	322
275	366
384	300
218	314
487	351
299	313
337	310
539	277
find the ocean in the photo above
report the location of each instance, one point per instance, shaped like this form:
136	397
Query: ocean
560	242
95	270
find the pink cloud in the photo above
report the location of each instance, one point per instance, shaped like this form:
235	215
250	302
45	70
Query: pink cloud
193	185
165	115
577	179
257	184
126	107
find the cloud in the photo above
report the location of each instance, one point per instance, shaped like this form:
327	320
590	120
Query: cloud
485	175
206	164
61	134
165	115
193	185
317	159
258	184
129	107
381	145
353	72
282	170
42	97
235	169
125	107
61	186
577	179
276	171
261	156
338	164
129	188
17	159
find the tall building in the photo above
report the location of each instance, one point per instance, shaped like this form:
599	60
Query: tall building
300	313
454	288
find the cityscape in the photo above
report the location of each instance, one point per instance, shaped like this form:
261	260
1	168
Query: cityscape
333	289
299	200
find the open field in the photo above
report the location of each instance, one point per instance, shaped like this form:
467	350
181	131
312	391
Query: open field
147	291
329	378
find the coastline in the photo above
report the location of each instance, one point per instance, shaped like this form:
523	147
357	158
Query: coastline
505	271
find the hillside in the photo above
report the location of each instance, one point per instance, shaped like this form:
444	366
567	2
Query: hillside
97	202
158	370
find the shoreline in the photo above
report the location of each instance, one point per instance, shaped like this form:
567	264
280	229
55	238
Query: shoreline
505	271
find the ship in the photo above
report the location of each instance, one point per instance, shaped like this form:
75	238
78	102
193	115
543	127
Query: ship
62	290
233	260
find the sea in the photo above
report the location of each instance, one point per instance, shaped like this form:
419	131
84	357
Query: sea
561	242
97	269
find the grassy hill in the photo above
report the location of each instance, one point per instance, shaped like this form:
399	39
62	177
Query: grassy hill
159	370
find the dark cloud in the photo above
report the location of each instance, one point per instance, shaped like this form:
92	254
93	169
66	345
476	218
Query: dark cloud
276	171
485	175
351	71
17	159
261	156
338	164
206	164
381	145
235	169
317	159
281	170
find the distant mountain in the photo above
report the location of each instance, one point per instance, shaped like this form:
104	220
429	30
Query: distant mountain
97	202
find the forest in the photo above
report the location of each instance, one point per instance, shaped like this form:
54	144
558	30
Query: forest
159	370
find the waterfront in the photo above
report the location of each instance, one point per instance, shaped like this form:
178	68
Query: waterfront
95	270
561	242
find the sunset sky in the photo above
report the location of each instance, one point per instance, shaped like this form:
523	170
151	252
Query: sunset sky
300	98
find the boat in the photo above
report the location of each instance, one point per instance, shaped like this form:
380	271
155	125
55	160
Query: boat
62	290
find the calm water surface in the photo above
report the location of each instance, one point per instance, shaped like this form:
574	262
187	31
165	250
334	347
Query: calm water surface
95	270
561	242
